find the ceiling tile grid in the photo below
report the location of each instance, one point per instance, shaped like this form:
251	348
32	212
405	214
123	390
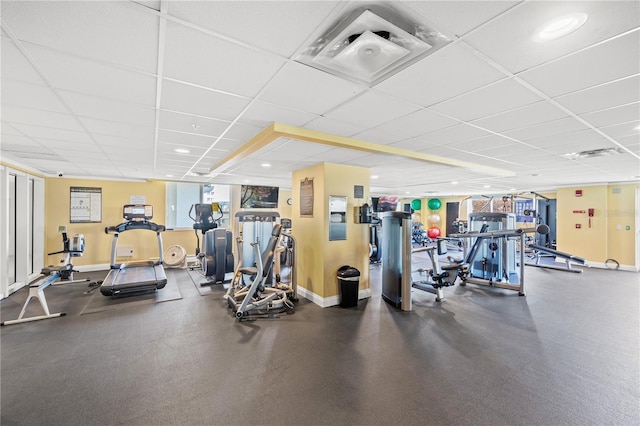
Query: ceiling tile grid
83	79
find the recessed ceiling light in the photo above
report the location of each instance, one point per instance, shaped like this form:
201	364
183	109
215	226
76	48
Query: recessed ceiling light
374	176
560	27
487	186
512	189
637	127
266	165
246	180
454	182
182	151
169	175
407	192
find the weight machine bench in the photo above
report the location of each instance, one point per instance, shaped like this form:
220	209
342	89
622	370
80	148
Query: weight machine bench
439	276
568	258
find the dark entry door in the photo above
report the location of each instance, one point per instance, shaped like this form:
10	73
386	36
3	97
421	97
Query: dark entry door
452	215
547	215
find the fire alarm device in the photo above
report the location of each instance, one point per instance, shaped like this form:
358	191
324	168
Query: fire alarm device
578	226
578	192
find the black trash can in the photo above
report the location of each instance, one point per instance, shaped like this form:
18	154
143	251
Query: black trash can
349	281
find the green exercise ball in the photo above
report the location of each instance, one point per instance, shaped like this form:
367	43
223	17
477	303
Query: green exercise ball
434	204
416	204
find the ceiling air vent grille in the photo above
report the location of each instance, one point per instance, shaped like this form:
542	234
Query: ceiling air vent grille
591	153
371	44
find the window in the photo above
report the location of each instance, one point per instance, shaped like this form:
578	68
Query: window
182	195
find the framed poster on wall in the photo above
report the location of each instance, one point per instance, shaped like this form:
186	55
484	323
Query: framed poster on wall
306	198
86	205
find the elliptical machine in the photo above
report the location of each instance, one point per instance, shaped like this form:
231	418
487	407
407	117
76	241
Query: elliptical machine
216	258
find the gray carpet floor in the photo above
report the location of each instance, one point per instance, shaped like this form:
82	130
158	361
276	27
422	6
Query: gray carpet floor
566	354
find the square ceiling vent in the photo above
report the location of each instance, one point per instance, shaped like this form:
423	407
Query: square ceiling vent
371	44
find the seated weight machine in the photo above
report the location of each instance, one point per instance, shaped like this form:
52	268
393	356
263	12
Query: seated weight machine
256	299
439	276
52	275
491	261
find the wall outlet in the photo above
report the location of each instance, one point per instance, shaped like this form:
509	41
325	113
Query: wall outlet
124	252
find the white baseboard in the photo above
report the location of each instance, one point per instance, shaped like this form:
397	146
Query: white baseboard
601	265
325	302
92	268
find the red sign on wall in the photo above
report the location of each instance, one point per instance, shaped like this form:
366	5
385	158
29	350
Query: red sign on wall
578	192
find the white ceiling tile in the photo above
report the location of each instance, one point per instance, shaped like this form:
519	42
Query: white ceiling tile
192	124
199	101
508	39
528	115
115	142
415	144
51	133
377	136
186	140
415	124
276	26
460	17
28	95
69	146
293	150
93	78
194	57
451	135
555	127
483	143
241	132
262	114
424	82
15	66
99	127
35	117
304	88
605	96
564	139
371	109
629	141
335	127
105	109
13	142
588	68
624	129
499	97
615	115
115	32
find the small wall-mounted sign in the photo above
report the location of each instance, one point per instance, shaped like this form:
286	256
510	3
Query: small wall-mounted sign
578	226
578	192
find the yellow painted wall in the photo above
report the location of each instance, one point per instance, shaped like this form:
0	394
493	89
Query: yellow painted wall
602	240
310	231
621	214
318	258
115	194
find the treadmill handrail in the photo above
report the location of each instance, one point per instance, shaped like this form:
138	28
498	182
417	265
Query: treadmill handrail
131	225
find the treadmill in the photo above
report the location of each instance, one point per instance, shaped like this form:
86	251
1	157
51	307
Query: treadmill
139	276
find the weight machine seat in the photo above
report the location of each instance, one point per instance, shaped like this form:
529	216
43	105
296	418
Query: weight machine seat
560	254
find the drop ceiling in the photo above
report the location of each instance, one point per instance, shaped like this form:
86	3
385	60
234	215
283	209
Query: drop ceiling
109	89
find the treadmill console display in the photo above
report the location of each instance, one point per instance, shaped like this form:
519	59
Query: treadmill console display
137	212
